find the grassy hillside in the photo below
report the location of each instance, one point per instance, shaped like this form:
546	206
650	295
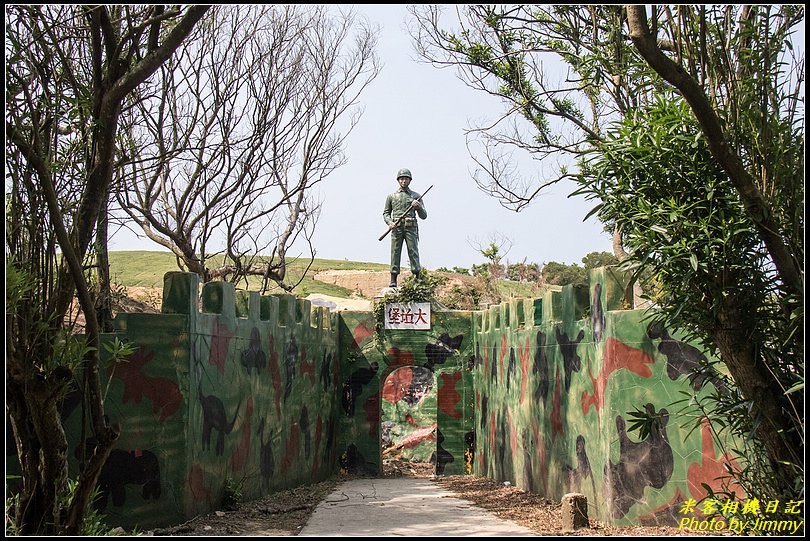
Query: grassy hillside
146	269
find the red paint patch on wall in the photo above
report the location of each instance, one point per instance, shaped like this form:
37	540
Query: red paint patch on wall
220	342
420	435
449	398
240	455
164	393
307	367
617	355
372	408
713	471
195	482
293	448
399	358
541	455
361	332
524	356
396	385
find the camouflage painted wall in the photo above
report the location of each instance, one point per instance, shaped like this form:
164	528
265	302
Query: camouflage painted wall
445	351
408	414
555	379
270	393
241	391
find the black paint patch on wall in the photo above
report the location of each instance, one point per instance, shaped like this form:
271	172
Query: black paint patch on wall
253	356
267	462
685	360
540	368
568	347
353	387
441	350
353	462
214	418
124	468
290	362
646	463
441	456
575	476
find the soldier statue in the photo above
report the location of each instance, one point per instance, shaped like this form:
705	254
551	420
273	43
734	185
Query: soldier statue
401	209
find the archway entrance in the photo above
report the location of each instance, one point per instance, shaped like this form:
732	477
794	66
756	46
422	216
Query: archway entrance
408	422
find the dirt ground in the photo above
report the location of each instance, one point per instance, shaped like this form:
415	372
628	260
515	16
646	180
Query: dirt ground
286	513
364	284
368	284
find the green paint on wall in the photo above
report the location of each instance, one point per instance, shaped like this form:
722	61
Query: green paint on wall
270	392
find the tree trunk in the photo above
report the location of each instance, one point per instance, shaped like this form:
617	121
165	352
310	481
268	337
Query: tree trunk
104	294
42	452
33	387
774	430
621	255
757	207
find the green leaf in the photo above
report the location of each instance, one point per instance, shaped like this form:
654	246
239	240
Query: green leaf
593	211
693	259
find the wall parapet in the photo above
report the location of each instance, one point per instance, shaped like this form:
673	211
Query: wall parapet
558	380
276	392
222	298
223	385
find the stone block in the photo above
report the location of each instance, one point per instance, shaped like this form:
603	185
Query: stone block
574	512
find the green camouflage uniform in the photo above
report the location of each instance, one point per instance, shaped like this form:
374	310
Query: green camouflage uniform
397	204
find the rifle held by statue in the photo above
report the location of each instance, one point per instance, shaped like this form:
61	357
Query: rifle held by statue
396	223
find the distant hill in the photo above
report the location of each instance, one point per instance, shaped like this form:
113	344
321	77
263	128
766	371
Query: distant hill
143	271
146	269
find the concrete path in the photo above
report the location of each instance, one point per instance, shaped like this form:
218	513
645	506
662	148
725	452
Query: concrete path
403	506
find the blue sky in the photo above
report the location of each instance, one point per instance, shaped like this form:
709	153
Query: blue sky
415	116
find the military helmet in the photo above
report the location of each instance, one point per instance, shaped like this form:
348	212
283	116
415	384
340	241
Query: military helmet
404	173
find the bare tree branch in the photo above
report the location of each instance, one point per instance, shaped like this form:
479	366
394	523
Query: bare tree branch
62	114
226	147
